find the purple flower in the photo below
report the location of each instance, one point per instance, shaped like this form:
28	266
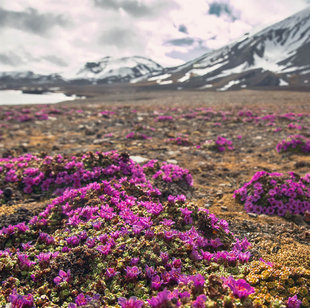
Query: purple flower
156	283
21	301
161	300
198	281
164	257
111	272
24	261
90	242
200	301
167	222
177	263
132	302
81	300
293	302
73	241
104	249
22	227
187	215
134	261
132	273
46	238
27	245
240	287
63	276
44	257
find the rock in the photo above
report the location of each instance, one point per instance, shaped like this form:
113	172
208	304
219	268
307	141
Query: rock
90	132
139	159
224	208
252	215
299	220
98	141
8	193
172	161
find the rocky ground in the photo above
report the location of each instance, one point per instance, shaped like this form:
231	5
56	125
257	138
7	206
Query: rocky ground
180	128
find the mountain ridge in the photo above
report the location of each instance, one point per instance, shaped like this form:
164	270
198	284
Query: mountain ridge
281	49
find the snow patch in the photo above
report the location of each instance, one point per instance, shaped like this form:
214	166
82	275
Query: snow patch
207	86
283	83
185	77
206	70
229	85
164	82
159	77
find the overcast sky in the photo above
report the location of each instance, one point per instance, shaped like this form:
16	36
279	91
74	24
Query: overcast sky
60	36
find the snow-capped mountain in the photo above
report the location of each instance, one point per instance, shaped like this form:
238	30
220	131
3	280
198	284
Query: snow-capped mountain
28	77
109	69
278	55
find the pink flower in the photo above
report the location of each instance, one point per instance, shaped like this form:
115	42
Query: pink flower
21	301
293	302
63	276
111	272
132	273
240	287
132	302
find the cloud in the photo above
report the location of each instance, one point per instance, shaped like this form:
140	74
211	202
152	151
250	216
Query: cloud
218	9
30	20
55	60
183	29
188	54
187	41
120	37
136	8
10	59
61	36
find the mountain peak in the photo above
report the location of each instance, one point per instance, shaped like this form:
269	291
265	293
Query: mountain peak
110	69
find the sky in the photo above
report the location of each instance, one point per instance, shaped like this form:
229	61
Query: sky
48	36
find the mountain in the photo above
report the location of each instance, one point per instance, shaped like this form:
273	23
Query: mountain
29	78
109	69
278	55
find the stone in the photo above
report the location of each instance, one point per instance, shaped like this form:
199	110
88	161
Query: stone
139	159
8	193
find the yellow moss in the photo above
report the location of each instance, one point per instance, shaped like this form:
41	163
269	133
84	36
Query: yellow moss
305	302
265	274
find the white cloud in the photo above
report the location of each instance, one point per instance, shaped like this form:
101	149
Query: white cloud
66	34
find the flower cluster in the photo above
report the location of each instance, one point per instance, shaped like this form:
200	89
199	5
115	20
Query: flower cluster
137	136
294	144
113	240
52	175
173	173
275	193
34	113
183	141
221	144
164	118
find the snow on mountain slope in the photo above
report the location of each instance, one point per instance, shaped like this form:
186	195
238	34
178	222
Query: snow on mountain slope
29	77
119	69
282	50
